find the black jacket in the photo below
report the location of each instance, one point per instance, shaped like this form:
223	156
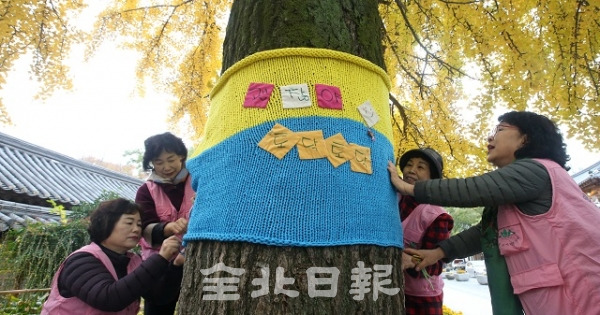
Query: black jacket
86	277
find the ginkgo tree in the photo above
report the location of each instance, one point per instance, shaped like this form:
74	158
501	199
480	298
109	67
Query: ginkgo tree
453	64
40	30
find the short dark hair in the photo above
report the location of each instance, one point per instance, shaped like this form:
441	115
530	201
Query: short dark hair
544	140
156	144
104	218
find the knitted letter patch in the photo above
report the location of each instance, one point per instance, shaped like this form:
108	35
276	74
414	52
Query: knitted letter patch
258	95
311	145
360	158
295	96
279	141
368	113
328	96
336	149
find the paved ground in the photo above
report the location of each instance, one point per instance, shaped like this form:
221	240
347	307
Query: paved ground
468	297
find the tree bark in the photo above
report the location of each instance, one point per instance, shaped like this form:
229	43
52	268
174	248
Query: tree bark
351	26
295	261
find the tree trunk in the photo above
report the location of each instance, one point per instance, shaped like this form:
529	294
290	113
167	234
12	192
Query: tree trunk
237	277
351	26
295	261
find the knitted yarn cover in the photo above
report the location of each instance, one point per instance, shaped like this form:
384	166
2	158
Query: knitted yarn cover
245	193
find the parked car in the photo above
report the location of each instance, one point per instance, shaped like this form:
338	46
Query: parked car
458	264
475	268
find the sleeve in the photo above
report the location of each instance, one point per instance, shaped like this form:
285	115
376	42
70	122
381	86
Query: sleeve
144	199
86	277
158	233
438	231
464	244
166	289
519	182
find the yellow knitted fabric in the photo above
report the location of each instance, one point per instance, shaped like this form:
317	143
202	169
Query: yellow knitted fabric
358	80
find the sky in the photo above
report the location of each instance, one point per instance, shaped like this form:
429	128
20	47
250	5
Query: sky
103	116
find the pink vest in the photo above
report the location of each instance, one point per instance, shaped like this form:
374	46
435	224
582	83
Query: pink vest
414	227
56	304
166	211
554	258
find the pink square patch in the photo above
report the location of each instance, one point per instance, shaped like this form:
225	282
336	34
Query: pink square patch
328	96
258	95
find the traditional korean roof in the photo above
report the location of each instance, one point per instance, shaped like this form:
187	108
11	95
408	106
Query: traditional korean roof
588	180
31	175
588	175
17	215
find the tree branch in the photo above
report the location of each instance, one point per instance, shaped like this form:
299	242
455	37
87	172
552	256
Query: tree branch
446	65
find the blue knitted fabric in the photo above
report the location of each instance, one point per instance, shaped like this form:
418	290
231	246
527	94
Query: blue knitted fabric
246	194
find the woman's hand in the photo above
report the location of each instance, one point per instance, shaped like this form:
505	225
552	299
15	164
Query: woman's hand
179	260
428	256
407	261
176	227
170	247
401	186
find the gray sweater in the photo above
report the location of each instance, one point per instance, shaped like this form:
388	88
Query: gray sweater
524	183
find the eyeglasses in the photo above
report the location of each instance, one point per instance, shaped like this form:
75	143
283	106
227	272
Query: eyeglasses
498	128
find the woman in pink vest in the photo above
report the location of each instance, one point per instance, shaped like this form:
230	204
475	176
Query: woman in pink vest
539	232
104	277
423	226
166	199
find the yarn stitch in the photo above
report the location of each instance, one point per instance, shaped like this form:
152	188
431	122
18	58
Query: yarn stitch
244	193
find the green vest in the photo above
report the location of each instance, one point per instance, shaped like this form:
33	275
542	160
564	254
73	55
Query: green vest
504	301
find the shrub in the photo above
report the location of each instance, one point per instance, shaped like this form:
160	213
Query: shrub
448	311
30	256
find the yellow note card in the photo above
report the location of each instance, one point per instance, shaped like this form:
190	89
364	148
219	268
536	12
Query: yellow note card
336	149
360	158
311	145
279	141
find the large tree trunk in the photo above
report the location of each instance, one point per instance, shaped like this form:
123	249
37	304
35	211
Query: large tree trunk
295	262
290	278
350	26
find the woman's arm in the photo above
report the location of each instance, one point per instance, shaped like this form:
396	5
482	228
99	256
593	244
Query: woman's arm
520	182
463	244
86	277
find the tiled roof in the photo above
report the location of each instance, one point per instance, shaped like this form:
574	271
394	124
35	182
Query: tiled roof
588	173
17	215
30	174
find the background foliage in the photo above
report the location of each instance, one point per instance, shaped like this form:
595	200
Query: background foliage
464	218
40	30
454	64
30	256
